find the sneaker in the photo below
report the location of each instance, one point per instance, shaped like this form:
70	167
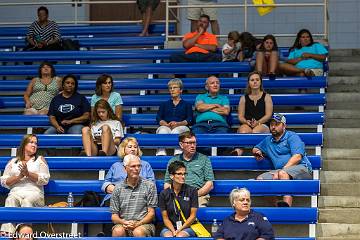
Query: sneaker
83	153
161	152
309	73
177	152
102	153
272	76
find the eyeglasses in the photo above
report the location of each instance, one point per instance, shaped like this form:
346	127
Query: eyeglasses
190	143
173	88
181	174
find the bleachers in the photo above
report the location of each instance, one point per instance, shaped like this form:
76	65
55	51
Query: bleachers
221	187
155	100
159	163
162	140
149	120
294	215
189	83
93	42
89	30
104	36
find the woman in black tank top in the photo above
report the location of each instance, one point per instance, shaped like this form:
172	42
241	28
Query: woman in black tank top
255	108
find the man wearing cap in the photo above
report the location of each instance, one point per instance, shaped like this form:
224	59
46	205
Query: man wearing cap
287	152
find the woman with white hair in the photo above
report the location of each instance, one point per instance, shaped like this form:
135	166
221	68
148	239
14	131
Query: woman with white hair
244	223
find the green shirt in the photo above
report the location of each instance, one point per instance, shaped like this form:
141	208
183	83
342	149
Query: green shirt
199	170
210	115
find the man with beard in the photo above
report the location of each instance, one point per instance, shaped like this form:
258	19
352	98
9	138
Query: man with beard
287	152
200	46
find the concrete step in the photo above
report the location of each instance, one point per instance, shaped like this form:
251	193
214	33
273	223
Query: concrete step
351	97
342	114
344	68
344	52
337	231
338	238
341	153
342	123
341	105
341	165
340	189
337	215
340	177
339	201
342	137
343	84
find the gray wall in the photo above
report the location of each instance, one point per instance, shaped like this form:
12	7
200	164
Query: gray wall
343	26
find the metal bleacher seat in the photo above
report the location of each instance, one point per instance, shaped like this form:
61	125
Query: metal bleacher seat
189	83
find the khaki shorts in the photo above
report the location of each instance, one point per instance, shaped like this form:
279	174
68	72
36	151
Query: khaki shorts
204	200
194	13
318	71
149	229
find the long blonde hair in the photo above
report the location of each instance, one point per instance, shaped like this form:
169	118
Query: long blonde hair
124	143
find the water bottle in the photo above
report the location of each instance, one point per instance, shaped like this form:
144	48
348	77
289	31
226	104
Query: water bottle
214	227
70	200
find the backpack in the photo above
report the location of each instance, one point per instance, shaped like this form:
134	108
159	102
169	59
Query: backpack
89	199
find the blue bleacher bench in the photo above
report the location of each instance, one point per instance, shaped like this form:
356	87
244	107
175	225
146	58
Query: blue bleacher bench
155	100
161	54
150	68
219	163
221	187
293	215
23	121
93	30
83	42
158	140
189	83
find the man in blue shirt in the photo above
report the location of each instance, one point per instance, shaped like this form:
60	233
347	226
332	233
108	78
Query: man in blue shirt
287	152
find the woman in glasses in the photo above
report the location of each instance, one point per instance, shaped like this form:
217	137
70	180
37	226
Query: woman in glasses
178	204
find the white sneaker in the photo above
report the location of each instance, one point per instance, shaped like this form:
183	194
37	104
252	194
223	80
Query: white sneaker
160	152
177	151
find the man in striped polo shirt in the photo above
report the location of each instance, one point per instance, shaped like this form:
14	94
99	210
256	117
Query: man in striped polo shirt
43	34
198	166
133	203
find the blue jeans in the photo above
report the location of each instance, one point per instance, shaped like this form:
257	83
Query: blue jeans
213	127
74	129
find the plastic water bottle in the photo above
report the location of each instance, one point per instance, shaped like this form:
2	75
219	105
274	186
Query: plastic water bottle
214	227
70	200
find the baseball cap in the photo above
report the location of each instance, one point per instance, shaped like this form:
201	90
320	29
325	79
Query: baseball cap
279	118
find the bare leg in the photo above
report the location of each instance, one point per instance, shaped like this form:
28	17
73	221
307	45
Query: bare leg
139	232
273	62
215	27
244	128
146	21
259	61
107	141
291	70
89	145
118	231
284	176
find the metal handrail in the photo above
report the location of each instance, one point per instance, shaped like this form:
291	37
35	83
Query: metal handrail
247	5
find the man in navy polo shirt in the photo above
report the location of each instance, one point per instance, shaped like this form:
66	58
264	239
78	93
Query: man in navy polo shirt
287	152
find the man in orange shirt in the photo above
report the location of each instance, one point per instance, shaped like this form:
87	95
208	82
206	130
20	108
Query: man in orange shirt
200	46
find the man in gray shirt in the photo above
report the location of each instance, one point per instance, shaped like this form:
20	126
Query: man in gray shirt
133	203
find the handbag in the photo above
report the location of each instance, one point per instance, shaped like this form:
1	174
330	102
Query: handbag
197	227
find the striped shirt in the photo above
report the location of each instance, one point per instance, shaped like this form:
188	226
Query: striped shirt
46	33
133	203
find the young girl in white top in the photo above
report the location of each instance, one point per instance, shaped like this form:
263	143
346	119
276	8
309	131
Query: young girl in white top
105	132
